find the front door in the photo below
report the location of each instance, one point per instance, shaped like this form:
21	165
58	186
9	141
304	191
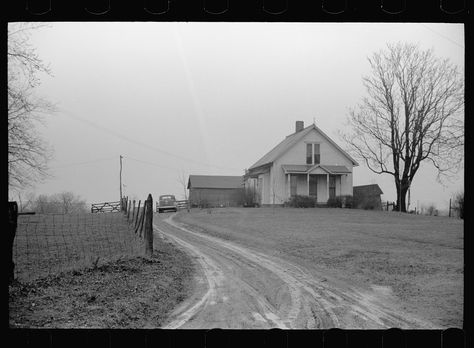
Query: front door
293	185
332	186
313	186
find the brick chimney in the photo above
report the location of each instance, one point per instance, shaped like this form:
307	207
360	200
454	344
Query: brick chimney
299	126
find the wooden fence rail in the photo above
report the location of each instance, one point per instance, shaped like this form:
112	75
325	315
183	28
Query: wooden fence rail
386	205
183	204
106	207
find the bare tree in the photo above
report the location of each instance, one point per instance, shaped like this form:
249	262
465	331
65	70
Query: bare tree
459	204
182	180
25	202
414	113
28	153
45	205
60	203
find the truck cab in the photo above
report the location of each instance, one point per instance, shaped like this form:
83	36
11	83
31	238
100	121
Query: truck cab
167	202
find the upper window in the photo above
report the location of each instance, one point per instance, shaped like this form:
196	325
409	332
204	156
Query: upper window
309	153
317	155
313	155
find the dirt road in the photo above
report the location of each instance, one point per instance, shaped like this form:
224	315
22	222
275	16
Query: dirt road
239	287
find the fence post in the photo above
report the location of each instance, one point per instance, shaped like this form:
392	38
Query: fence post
450	207
149	226
133	211
12	224
138	213
140	223
128	210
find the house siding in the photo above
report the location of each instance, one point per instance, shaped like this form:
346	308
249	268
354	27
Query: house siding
274	188
297	155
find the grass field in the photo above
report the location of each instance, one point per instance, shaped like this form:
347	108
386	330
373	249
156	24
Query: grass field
419	257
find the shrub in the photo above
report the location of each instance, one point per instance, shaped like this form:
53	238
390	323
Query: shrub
334	202
341	201
301	202
203	203
431	210
347	200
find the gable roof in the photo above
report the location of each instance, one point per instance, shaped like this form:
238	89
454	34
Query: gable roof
291	140
372	189
215	181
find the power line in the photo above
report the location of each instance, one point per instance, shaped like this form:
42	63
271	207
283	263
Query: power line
68	113
86	162
150	163
444	36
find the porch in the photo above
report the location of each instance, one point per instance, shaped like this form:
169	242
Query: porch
316	181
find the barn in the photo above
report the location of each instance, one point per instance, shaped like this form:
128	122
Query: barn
215	190
367	197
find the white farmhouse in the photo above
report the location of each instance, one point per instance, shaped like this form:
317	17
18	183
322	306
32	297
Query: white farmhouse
307	162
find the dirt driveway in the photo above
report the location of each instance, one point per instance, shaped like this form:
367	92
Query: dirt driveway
241	286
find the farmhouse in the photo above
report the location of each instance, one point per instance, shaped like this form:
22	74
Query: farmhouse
368	197
215	190
307	162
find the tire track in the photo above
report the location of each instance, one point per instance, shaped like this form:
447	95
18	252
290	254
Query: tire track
305	301
214	277
293	317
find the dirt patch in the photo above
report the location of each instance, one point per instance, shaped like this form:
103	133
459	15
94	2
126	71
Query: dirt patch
419	258
132	292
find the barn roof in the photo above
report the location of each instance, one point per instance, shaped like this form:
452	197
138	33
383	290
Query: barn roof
372	189
291	140
215	181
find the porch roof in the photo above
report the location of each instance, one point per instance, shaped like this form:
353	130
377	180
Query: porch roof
304	169
336	169
295	168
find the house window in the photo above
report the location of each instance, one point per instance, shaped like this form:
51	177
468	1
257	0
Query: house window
309	153
332	186
317	155
313	187
293	180
313	155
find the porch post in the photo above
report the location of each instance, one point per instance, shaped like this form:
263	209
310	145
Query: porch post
289	187
327	186
307	183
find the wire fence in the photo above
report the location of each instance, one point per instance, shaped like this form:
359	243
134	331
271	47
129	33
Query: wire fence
46	244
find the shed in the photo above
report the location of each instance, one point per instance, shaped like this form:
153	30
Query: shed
215	190
367	197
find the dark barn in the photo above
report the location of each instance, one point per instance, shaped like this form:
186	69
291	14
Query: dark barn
215	190
367	197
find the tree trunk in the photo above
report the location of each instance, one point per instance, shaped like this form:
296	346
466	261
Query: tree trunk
402	190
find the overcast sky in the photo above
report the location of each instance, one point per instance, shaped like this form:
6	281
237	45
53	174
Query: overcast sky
208	98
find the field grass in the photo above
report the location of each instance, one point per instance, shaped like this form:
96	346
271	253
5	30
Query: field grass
419	257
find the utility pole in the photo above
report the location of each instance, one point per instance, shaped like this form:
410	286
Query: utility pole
120	179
